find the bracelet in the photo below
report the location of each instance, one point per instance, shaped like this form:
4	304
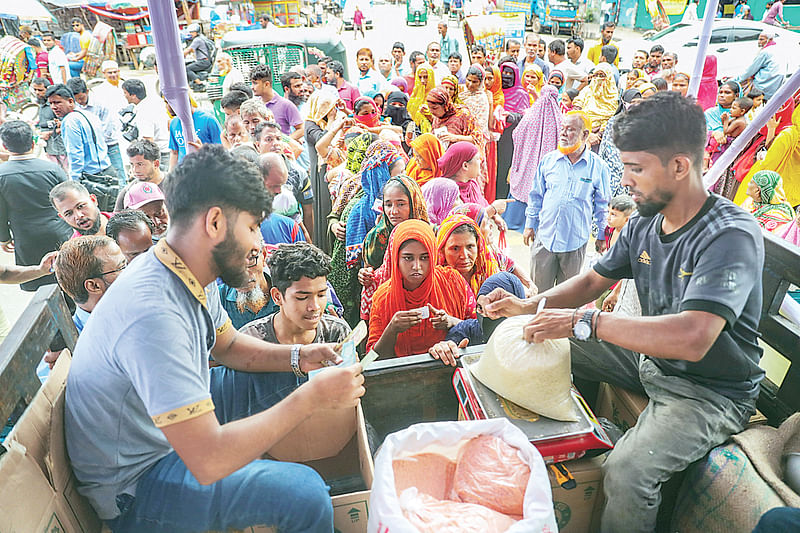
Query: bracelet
595	321
575	312
597	326
295	361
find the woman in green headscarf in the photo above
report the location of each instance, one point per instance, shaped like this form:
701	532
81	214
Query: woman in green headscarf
767	201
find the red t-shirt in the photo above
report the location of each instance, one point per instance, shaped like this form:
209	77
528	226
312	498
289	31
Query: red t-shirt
77	234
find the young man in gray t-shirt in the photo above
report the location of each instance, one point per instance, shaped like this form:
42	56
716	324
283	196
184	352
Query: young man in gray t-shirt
695	259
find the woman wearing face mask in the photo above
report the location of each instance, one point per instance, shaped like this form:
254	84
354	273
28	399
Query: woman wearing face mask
396	111
424	81
608	150
397	327
366	115
516	102
402	200
599	101
556	79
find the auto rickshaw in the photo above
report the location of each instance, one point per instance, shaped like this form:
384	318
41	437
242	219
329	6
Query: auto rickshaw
416	13
281	49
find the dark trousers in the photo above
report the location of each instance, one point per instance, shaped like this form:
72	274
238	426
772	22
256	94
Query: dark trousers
196	67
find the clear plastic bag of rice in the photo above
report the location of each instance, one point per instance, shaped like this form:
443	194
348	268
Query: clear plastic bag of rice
535	376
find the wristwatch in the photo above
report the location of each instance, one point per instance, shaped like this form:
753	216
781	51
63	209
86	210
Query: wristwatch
295	361
583	327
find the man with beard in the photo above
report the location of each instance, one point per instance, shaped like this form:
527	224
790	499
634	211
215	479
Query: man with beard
531	56
284	111
48	125
252	300
765	69
369	80
696	259
606	33
148	198
132	231
85	268
198	438
293	88
78	209
348	93
300	289
571	187
653	65
28	227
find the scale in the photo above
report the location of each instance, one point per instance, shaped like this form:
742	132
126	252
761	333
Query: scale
557	441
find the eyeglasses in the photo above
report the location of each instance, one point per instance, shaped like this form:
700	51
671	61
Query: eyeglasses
118	269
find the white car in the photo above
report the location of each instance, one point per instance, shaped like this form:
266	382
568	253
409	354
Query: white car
733	41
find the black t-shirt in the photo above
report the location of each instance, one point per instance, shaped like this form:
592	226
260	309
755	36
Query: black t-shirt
711	264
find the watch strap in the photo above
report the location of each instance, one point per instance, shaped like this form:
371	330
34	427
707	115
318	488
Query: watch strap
295	361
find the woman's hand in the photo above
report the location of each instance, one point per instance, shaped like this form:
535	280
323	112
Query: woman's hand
447	351
441	320
339	229
594	139
501	204
405	320
366	276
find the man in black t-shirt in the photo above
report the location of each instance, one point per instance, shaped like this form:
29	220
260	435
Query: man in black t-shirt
696	260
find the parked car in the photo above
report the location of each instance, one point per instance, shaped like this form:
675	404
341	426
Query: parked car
733	41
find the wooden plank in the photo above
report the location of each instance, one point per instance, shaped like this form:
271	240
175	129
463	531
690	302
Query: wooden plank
23	349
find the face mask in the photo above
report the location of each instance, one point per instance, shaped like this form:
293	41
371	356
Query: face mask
370	120
508	79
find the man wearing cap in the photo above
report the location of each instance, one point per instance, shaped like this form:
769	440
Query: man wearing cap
202	55
148	198
765	69
110	91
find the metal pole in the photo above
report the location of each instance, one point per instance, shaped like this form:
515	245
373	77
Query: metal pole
171	67
784	93
702	47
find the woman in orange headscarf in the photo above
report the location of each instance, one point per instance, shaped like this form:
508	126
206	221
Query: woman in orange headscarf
427	149
397	327
494	84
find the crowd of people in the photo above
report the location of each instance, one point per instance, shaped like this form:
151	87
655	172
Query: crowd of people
384	197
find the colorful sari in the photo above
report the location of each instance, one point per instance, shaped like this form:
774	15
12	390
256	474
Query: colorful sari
516	97
417	104
496	88
452	81
379	240
444	288
457	118
423	166
374	175
449	165
773	211
486	262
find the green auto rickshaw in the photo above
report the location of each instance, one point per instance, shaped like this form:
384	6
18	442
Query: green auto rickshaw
416	13
281	49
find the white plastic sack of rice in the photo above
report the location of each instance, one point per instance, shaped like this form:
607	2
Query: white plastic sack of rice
535	376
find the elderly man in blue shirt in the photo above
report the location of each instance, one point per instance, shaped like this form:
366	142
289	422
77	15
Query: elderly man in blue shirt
571	187
765	68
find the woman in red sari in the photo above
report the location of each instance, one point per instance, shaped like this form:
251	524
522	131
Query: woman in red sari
397	327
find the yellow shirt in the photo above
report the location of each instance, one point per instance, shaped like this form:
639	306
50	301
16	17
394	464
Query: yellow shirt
85	40
595	52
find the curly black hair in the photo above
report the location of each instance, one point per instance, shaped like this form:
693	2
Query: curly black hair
292	262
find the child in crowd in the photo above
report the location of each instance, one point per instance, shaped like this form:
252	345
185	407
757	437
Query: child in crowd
757	96
567	97
733	124
300	289
620	209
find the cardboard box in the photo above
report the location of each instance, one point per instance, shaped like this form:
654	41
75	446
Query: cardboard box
578	509
620	406
38	490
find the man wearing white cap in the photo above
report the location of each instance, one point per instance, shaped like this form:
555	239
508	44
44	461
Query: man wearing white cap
765	69
110	91
148	198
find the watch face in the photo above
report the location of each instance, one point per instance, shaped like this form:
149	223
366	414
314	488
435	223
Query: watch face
582	331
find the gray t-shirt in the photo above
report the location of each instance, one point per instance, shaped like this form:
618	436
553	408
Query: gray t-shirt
200	46
711	264
141	363
329	329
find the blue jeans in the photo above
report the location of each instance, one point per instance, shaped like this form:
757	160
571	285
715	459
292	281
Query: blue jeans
116	161
291	497
75	68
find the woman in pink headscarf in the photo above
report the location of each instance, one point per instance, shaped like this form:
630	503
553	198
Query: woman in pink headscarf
441	195
535	135
707	94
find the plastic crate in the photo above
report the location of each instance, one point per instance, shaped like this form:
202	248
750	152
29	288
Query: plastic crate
280	58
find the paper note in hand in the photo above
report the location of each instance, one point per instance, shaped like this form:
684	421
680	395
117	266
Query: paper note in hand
358	334
370	358
424	312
